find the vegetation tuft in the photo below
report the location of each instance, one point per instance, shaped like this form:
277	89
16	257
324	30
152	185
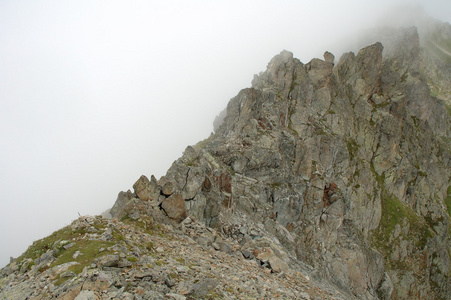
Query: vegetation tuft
353	147
41	246
395	212
448	200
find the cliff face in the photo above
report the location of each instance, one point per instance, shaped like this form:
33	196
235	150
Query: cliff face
338	170
347	165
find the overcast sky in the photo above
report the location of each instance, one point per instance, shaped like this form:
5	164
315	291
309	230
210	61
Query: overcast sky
94	94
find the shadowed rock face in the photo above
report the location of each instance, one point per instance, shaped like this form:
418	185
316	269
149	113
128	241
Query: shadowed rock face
346	164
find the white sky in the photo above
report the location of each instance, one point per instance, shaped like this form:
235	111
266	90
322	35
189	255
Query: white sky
95	93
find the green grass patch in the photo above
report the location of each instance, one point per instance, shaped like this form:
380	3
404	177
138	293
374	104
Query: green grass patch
395	212
448	200
89	252
382	105
416	121
132	259
41	246
353	147
180	260
57	240
379	178
448	109
160	262
422	173
276	185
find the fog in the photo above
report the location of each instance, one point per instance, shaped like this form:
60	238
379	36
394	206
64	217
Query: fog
94	94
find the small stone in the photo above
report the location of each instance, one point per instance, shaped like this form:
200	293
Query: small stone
304	296
278	265
216	246
243	229
67	246
123	263
254	233
111	260
145	273
187	221
76	254
169	282
265	255
224	247
204	287
247	254
68	274
86	295
182	269
175	296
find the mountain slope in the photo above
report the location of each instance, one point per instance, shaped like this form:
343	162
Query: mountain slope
347	165
335	175
99	258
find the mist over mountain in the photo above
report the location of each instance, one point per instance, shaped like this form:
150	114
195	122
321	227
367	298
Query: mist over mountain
329	179
94	94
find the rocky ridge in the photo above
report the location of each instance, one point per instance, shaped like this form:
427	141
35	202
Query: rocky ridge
326	179
100	258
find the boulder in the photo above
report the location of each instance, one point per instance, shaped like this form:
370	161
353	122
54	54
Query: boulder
277	265
329	57
111	260
146	190
174	207
168	188
123	200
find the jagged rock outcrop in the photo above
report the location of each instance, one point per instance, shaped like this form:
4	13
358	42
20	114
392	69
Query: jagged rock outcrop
346	163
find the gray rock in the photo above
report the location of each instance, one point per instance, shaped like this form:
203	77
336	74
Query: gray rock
278	265
145	189
86	295
385	289
68	274
111	260
174	206
247	254
175	296
329	57
204	287
76	254
46	257
168	188
69	245
120	207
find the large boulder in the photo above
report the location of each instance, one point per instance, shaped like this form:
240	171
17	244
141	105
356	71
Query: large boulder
174	207
145	189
